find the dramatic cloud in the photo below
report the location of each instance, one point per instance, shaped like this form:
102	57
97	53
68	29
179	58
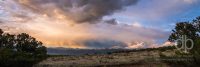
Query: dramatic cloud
111	21
76	23
77	10
101	35
104	43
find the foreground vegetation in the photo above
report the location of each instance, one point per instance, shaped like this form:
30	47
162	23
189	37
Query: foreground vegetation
153	57
20	50
138	58
191	30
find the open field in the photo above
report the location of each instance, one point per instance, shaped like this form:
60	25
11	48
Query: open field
121	59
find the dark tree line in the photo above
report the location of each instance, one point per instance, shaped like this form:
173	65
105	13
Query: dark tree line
20	50
192	31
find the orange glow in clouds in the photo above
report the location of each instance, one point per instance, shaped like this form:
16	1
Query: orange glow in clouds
72	27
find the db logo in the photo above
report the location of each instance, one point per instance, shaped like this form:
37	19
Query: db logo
183	44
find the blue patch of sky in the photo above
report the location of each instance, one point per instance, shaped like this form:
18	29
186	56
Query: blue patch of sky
165	23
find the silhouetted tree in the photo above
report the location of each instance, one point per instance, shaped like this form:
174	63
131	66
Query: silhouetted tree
192	31
196	23
1	31
20	50
183	28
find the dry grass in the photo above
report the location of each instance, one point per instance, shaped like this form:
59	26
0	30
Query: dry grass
126	59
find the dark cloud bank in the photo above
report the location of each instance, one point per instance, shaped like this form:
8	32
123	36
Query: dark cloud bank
85	10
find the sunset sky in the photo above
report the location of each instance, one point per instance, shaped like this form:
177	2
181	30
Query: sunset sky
97	23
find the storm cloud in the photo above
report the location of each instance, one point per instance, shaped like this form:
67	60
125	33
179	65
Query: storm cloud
104	43
77	23
79	11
